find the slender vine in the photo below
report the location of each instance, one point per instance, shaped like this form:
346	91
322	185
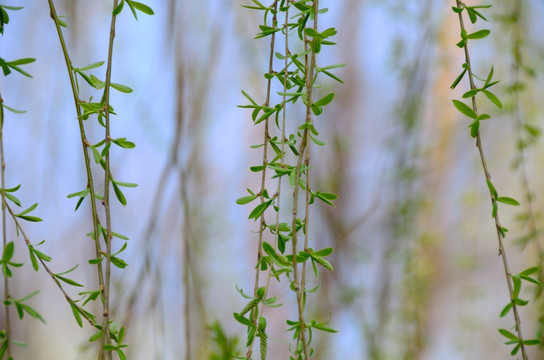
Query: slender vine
108	330
296	80
514	282
526	136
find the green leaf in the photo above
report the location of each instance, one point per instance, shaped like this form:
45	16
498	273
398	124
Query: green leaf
77	315
13	110
492	189
475	128
40	254
93	65
494	99
125	184
141	7
8	252
479	34
118	8
97	335
508	335
67	280
121	88
324	100
29	218
243	320
470	93
15	200
119	194
33	259
326	197
245	199
464	109
324	252
29	209
81	194
311	32
517	285
529	271
506	309
97	83
508	201
458	79
120	263
96	154
259	210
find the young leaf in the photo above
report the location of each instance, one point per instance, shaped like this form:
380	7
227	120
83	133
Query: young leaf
121	88
245	199
508	201
478	34
494	99
464	109
259	210
324	100
508	335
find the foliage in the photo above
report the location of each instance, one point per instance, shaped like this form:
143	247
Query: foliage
297	79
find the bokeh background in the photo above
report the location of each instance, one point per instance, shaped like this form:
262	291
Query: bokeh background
417	274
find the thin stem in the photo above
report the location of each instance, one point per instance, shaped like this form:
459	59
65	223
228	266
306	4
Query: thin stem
262	223
498	226
4	237
107	177
518	64
84	144
48	270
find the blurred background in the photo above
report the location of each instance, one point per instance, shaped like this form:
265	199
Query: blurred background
417	274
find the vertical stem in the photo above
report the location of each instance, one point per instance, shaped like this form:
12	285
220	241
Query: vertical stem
84	144
498	226
107	177
4	237
262	223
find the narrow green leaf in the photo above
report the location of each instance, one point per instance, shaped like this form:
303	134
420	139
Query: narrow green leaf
119	194
124	184
479	34
508	201
13	110
324	100
93	65
529	271
259	210
506	309
324	252
118	262
121	88
29	218
33	260
77	315
29	209
8	252
14	199
245	199
494	99
508	335
118	8
458	79
517	285
464	109
67	280
142	7
40	254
